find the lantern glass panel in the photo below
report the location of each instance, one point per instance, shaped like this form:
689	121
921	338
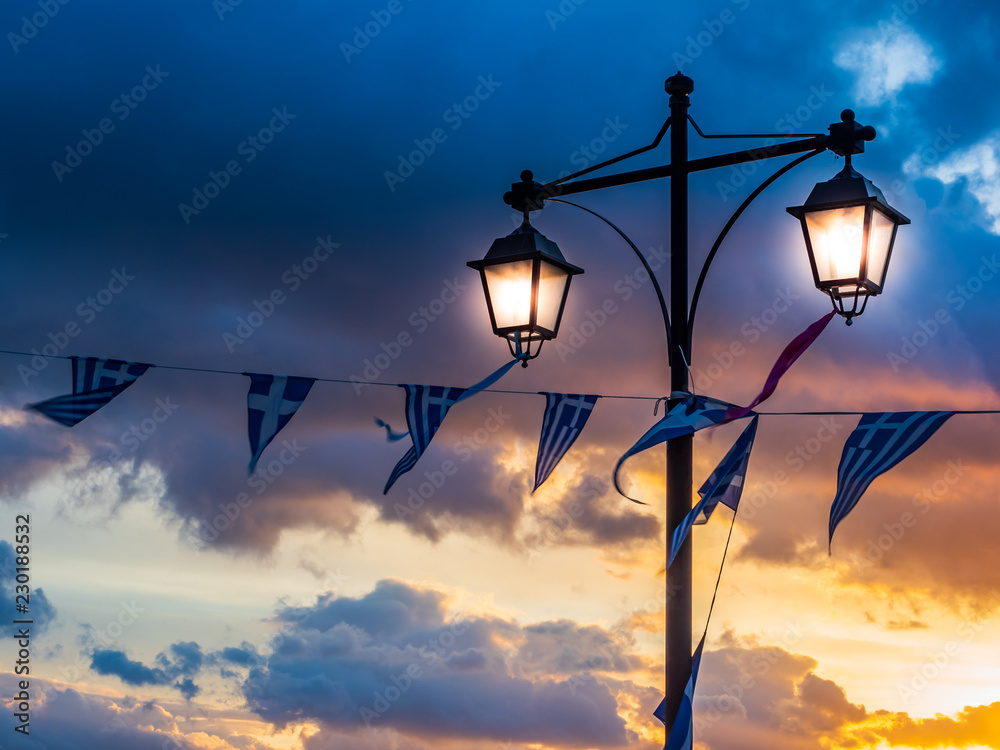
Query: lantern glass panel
879	244
837	239
552	282
509	286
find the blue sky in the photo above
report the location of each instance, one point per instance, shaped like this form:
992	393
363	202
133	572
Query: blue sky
175	173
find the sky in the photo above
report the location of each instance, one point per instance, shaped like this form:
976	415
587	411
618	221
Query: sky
295	189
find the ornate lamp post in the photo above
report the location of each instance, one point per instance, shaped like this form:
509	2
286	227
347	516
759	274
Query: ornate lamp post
849	232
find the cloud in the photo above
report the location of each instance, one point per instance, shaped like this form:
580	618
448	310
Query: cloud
394	658
130	672
976	168
40	609
67	719
884	63
187	660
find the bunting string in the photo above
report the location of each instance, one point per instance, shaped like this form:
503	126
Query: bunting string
390	384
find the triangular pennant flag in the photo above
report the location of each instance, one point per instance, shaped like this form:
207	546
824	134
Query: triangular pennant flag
791	353
879	442
690	415
725	484
92	373
565	416
95	382
271	402
426	408
682	731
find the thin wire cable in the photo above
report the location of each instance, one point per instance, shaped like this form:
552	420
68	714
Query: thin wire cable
513	392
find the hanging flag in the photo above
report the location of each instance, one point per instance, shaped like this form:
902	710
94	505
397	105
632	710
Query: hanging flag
565	416
682	732
791	353
725	485
426	408
271	402
690	415
95	382
879	442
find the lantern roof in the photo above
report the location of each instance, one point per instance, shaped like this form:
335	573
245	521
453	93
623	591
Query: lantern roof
524	243
849	187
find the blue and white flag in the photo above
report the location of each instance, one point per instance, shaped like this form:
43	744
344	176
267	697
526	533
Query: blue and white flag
565	416
92	374
725	485
682	731
271	402
95	382
426	408
690	415
879	442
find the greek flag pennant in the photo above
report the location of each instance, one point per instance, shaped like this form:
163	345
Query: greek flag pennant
426	408
690	415
724	485
682	731
879	442
565	416
792	352
271	403
95	382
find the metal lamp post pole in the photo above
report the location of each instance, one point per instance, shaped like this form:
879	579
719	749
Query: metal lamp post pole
679	450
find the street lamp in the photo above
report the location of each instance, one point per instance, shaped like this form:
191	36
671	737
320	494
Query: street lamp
526	280
849	230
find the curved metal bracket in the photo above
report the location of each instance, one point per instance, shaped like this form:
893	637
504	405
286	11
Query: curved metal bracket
645	264
725	230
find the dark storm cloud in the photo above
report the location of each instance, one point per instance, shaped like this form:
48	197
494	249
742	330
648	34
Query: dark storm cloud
395	658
